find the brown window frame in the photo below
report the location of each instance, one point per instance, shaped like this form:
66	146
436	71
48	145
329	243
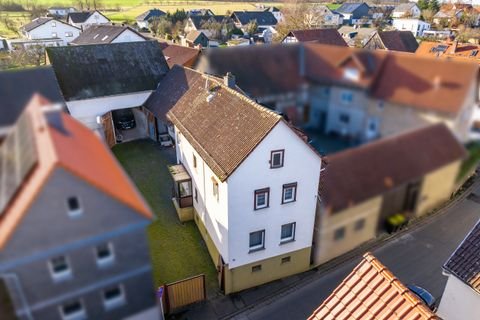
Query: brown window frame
194	161
261	191
215	188
289	185
282	151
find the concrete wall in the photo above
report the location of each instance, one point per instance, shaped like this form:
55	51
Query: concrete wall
301	165
459	301
326	247
437	187
47	231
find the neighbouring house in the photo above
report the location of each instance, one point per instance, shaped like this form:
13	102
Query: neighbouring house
3	44
60	12
461	296
406	10
239	168
181	55
450	50
143	20
453	13
50	28
371	291
415	26
196	39
97	79
99	34
324	36
73	230
350	92
277	13
438	34
200	12
355	13
356	36
392	40
36	45
17	87
324	16
361	188
264	19
380	12
85	19
207	25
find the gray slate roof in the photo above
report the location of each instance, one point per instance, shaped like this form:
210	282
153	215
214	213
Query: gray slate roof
198	21
152	13
348	7
102	34
79	17
90	71
404	7
18	86
464	263
36	23
262	17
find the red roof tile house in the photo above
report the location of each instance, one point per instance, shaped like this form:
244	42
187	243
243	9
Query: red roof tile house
461	297
363	187
72	224
360	94
371	291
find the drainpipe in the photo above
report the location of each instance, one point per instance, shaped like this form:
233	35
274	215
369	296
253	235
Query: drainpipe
25	308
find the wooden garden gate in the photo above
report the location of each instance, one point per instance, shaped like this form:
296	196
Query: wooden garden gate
109	129
184	292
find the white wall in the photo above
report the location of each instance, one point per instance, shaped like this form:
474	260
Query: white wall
212	211
128	36
301	165
48	29
413	25
86	111
459	301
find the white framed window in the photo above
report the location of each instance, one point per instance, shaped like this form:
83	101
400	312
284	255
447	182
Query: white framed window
257	240
68	34
215	188
54	35
73	311
289	193
262	198
346	97
276	158
288	232
74	207
60	268
54	24
104	254
339	234
114	297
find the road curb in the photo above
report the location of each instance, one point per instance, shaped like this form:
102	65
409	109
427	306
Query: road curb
360	250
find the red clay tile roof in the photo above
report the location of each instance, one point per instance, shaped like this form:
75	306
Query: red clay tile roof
183	56
445	50
78	151
223	130
372	292
464	263
323	36
358	174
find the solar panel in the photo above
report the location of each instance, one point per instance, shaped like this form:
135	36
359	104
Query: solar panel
18	156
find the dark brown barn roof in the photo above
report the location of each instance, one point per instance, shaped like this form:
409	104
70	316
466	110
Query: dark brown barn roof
324	36
364	172
465	261
175	54
399	40
221	124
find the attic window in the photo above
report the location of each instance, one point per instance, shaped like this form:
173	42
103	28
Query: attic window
74	208
104	38
96	36
351	74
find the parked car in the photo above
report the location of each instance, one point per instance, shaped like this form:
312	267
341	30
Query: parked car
423	294
123	119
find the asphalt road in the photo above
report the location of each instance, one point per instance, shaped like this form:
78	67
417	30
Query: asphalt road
415	258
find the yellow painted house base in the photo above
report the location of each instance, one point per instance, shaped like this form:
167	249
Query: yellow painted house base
184	214
250	275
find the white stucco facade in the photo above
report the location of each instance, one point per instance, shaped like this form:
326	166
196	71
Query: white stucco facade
94	19
86	111
415	26
54	29
459	301
128	36
231	217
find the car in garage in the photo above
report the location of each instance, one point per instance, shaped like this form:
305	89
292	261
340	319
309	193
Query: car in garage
123	119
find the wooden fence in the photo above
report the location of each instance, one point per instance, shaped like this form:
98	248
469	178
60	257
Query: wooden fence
184	292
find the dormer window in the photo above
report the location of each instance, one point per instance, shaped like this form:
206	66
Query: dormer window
351	74
276	159
74	208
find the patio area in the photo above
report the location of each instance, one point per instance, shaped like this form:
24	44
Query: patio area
177	249
328	144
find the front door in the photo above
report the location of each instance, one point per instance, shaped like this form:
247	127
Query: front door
411	196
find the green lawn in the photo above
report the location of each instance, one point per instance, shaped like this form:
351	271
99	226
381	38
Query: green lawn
177	249
472	160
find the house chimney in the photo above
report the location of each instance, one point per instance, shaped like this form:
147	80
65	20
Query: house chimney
453	47
53	117
229	80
